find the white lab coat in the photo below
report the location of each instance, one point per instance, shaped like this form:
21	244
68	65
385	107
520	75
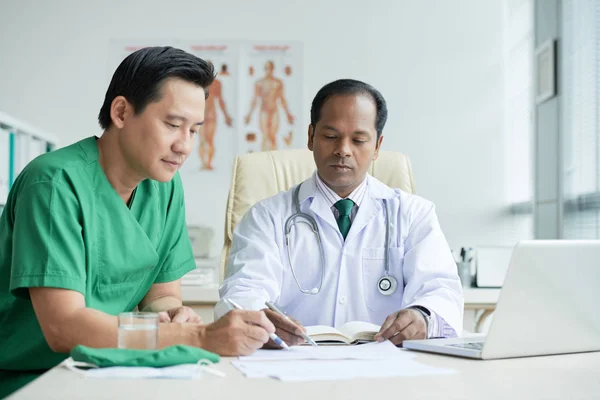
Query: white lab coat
419	257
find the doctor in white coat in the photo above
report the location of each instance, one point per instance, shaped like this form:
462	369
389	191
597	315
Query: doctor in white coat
384	257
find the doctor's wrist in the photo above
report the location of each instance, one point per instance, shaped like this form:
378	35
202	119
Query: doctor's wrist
426	314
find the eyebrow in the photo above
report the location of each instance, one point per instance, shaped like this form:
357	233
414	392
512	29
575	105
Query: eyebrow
182	119
329	127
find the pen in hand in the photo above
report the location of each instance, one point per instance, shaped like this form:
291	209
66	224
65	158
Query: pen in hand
278	311
273	336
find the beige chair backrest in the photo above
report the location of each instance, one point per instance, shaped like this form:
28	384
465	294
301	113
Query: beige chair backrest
257	176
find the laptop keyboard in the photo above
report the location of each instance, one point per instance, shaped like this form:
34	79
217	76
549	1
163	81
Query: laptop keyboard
470	346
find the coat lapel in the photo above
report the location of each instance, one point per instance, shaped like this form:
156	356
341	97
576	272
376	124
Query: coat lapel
312	202
371	205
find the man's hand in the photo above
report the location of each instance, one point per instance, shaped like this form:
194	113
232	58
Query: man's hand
180	315
288	331
237	333
403	325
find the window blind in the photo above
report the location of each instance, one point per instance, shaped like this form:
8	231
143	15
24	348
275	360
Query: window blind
580	118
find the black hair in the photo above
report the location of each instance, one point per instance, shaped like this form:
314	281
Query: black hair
344	87
139	77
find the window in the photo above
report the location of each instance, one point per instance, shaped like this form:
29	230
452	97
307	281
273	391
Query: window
519	109
580	119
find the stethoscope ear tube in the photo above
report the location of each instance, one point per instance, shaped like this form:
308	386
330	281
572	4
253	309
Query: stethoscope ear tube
387	284
309	220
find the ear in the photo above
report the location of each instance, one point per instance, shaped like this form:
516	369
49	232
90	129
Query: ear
311	136
119	110
377	147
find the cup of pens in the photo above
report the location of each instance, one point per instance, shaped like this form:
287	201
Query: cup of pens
463	264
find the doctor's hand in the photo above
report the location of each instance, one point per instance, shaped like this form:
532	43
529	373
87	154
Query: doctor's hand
403	325
237	333
179	315
288	331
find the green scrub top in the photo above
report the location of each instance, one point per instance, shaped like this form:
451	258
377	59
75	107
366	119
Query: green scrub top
65	226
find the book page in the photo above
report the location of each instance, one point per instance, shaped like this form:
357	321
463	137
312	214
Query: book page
315	330
359	330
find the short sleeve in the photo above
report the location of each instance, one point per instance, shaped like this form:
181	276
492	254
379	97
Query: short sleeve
178	257
48	248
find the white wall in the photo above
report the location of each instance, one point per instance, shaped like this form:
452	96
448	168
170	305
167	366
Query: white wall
438	63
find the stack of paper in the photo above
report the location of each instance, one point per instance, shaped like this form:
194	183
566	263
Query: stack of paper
335	363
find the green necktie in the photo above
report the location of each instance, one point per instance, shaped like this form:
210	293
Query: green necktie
345	209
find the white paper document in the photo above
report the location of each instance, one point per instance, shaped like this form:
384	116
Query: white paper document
369	351
332	370
335	363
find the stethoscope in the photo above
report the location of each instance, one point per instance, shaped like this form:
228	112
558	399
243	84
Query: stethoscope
386	284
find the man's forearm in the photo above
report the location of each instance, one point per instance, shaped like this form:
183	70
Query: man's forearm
93	328
162	304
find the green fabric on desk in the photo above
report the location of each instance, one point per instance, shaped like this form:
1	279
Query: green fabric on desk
167	357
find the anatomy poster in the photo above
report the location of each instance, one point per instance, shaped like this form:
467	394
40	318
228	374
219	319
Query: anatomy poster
214	149
270	97
254	105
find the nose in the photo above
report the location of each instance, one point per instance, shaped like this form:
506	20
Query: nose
183	144
343	148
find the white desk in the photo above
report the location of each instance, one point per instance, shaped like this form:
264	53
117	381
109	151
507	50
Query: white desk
199	288
551	377
201	299
193	294
481	299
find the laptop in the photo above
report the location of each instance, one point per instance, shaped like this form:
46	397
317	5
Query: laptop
549	304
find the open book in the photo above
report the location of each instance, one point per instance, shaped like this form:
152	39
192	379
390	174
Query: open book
354	332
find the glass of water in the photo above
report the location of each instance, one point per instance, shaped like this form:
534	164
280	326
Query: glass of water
138	330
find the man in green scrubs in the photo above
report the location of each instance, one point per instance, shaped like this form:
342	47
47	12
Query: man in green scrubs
98	228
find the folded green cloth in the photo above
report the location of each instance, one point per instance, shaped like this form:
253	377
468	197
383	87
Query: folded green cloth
167	357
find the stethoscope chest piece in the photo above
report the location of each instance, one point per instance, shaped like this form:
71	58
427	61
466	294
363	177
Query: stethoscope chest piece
387	285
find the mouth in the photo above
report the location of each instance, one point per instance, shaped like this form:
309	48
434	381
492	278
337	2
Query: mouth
174	164
340	167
